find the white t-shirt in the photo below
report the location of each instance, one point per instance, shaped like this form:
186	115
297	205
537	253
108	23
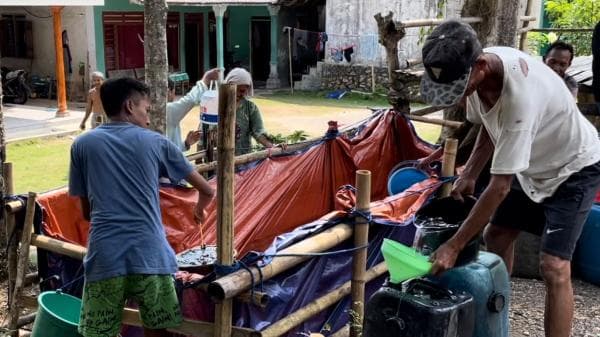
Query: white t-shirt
537	130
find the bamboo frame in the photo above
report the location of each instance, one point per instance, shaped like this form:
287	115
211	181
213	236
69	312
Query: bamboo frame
359	260
433	22
250	157
442	122
225	202
286	324
189	327
448	164
235	283
22	264
523	37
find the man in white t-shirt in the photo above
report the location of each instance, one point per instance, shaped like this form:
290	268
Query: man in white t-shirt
533	132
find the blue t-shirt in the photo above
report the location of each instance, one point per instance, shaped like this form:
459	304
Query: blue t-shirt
117	166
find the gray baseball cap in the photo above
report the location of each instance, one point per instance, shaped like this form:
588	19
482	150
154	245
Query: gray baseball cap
448	55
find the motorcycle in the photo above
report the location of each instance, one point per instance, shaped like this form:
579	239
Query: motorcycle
14	86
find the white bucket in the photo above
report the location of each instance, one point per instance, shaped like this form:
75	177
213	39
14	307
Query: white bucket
209	106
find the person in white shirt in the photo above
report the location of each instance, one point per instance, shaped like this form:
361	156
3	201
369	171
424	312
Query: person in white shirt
177	110
533	132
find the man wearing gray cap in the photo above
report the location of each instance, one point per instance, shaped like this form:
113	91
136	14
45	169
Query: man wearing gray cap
533	132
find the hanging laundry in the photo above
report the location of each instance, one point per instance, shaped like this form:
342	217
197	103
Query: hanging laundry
348	53
336	55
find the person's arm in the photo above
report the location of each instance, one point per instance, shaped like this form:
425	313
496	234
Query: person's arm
482	151
497	190
205	194
85	208
256	126
88	111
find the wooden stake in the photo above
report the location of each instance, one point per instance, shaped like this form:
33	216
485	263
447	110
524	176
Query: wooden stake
235	283
361	238
448	164
289	322
22	264
225	202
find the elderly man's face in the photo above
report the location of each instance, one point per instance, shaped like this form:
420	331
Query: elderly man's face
559	60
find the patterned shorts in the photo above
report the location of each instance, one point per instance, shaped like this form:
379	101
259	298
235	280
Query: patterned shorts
103	302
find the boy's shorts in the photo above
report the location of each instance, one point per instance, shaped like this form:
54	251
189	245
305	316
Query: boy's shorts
103	302
558	219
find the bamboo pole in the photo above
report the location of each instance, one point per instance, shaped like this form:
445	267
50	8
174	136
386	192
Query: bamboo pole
196	155
448	164
235	283
289	31
26	319
9	226
361	239
14	206
436	22
558	29
22	264
452	124
225	202
433	22
426	111
523	37
343	332
289	322
250	157
189	327
257	298
57	246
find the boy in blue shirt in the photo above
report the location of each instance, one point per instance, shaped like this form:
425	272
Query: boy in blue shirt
114	171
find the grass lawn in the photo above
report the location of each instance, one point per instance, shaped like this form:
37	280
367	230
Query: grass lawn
42	165
39	165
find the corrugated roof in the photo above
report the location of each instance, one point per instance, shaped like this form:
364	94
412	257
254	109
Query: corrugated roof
581	70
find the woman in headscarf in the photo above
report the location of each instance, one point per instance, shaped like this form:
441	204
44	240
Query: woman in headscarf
248	121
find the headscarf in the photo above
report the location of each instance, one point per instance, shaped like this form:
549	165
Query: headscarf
240	76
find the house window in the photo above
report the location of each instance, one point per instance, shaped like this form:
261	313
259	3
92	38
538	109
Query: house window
15	37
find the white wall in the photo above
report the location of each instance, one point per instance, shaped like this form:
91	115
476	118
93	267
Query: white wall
342	28
43	62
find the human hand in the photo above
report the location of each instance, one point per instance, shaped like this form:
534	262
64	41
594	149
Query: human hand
199	213
192	138
82	126
210	75
443	258
283	146
463	187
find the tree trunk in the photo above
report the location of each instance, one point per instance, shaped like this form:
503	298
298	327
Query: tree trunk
507	23
3	236
389	36
155	59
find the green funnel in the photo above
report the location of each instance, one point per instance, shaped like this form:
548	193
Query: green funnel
403	262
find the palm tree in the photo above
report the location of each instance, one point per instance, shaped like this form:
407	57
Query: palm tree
155	59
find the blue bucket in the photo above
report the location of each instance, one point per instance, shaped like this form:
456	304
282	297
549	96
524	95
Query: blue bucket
403	178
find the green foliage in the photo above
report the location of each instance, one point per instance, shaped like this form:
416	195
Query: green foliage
297	136
574	14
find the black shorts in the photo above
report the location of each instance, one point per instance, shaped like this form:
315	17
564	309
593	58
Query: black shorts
559	219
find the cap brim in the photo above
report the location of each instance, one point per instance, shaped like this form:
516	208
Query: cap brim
444	94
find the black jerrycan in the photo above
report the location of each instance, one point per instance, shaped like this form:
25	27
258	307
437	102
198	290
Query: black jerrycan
418	308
